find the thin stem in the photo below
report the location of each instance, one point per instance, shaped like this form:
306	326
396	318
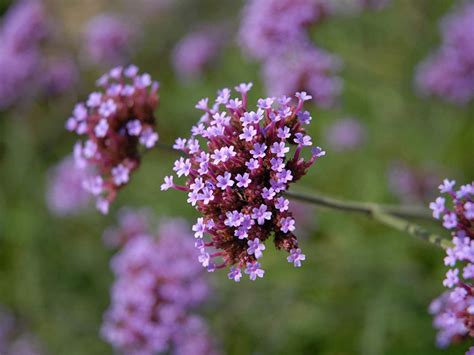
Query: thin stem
360	207
411	228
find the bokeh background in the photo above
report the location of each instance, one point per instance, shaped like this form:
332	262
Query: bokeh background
364	289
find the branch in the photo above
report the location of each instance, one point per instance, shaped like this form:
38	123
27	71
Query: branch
361	207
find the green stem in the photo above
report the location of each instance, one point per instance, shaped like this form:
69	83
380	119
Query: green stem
411	228
361	207
391	216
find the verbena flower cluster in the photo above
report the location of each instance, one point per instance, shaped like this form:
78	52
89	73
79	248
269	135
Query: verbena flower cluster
196	51
109	39
15	339
118	122
454	311
65	194
25	67
275	32
449	72
157	286
304	67
237	166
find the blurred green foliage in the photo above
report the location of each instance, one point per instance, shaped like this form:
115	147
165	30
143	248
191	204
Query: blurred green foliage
363	290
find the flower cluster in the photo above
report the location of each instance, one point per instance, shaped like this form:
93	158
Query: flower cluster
449	73
237	178
117	121
23	28
108	39
195	52
15	338
65	194
157	286
26	68
454	311
275	32
304	67
268	26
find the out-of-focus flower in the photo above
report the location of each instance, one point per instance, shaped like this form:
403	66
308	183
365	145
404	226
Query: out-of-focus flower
14	338
270	26
132	223
117	121
109	39
195	52
454	310
65	194
409	184
345	134
156	289
59	76
304	68
449	72
237	178
22	29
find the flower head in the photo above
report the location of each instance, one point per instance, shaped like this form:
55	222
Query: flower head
156	290
237	183
454	310
117	121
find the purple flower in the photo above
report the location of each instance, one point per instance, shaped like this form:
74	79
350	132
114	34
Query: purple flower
448	73
303	67
287	224
196	52
254	271
437	207
261	214
234	274
345	134
255	248
225	181
65	194
296	257
111	150
109	38
157	289
237	184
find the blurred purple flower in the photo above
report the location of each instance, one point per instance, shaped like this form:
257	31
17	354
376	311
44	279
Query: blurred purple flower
454	311
195	52
65	194
23	27
449	72
304	68
410	184
14	338
269	26
59	76
157	286
109	39
132	223
345	134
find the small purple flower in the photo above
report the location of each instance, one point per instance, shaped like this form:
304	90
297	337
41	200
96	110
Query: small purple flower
279	149
235	274
101	129
258	150
282	204
225	181
168	183
261	214
450	221
451	278
296	257
120	174
134	127
243	180
255	248
438	207
148	138
254	271
287	224
447	186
